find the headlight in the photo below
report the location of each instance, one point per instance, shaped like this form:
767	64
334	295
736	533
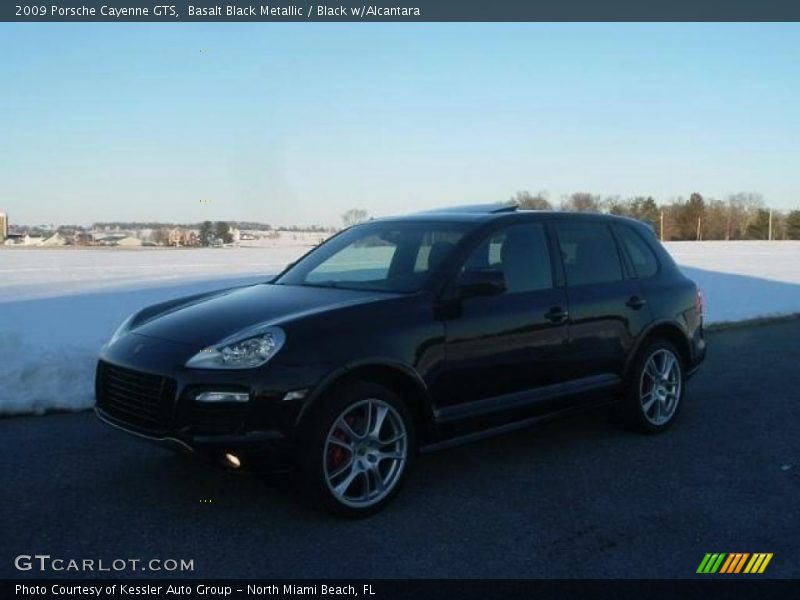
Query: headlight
122	329
242	354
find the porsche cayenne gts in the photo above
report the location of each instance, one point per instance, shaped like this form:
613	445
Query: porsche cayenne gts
410	333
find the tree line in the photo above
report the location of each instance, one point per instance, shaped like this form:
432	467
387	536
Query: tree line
742	216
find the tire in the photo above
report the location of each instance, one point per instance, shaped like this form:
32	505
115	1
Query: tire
350	469
655	389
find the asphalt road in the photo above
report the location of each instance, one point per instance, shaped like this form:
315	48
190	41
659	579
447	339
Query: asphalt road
572	498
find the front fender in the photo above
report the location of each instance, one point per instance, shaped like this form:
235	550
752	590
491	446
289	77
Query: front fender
372	368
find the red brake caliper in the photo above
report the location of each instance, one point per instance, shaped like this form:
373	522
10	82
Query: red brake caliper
337	454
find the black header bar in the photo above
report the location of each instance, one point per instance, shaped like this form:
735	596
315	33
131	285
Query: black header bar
398	10
402	589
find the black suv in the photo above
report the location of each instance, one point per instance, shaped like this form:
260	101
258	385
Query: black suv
408	333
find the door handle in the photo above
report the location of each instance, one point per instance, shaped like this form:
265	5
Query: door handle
556	314
635	302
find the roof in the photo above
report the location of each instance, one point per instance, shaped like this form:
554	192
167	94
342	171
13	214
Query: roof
479	213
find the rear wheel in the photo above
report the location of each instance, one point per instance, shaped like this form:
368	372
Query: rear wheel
357	450
655	389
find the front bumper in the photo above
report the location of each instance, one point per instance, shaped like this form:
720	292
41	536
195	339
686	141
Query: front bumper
143	388
257	450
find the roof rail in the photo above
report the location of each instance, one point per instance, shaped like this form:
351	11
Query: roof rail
506	208
488	209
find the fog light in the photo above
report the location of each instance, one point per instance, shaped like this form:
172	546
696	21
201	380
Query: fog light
223	397
233	460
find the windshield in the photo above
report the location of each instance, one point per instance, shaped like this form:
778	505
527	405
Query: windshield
389	257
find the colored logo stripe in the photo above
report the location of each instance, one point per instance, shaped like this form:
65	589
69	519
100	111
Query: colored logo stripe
758	563
711	563
734	562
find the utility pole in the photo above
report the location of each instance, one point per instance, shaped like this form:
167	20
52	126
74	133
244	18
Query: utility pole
770	225
698	228
661	231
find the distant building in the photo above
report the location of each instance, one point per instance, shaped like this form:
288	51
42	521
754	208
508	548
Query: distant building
107	240
54	240
32	240
83	239
181	237
175	237
117	239
3	227
129	241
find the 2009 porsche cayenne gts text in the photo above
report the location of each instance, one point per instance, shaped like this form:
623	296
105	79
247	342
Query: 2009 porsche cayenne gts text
411	333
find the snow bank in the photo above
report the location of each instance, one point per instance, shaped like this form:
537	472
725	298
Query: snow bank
743	280
57	307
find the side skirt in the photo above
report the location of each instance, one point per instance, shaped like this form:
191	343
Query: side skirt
513	426
595	383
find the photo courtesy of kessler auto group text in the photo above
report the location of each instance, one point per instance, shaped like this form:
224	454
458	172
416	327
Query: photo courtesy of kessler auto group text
491	301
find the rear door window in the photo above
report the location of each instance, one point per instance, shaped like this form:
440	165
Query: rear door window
589	253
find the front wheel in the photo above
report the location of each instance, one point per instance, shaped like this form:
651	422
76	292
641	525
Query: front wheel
655	389
357	449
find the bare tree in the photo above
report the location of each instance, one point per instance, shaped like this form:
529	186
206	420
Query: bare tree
646	209
525	200
742	212
222	231
779	225
716	220
793	225
582	202
642	208
160	236
615	205
354	216
693	216
206	233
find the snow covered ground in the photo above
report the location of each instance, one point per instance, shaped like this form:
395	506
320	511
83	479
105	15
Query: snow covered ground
743	280
58	306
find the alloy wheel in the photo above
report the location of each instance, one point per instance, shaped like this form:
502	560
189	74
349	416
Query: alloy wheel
660	386
365	453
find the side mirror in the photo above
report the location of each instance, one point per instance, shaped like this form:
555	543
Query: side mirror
481	282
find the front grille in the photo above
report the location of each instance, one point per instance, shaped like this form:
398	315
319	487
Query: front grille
211	418
138	399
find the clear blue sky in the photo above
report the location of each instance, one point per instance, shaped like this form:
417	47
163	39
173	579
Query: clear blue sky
295	123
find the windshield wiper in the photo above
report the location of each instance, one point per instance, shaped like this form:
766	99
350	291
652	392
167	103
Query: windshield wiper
322	284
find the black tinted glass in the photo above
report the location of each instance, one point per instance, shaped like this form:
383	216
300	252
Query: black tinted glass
589	253
383	256
520	252
641	255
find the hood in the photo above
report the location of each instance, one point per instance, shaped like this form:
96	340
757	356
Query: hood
208	319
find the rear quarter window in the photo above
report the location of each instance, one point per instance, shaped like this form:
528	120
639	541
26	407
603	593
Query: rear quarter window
642	256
